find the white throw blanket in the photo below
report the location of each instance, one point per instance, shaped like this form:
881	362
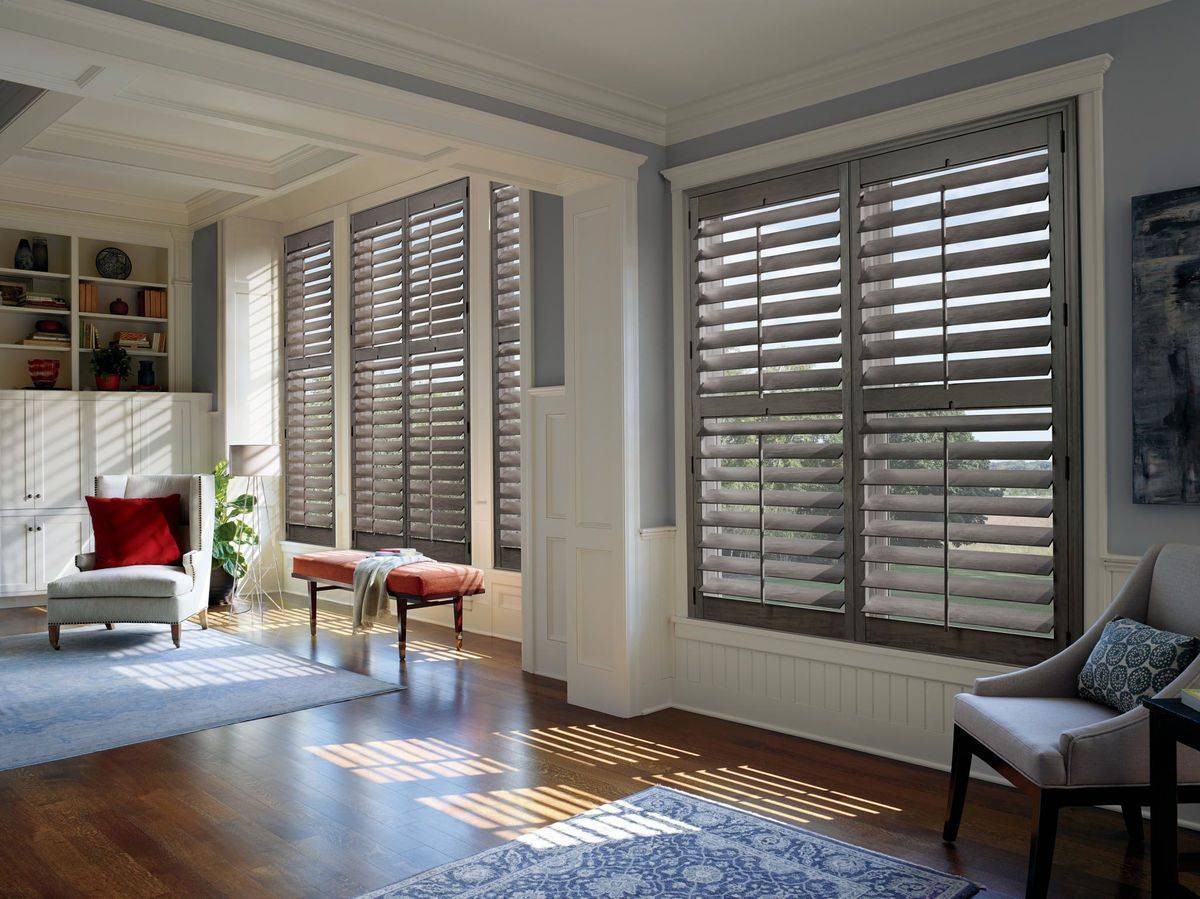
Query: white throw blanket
370	582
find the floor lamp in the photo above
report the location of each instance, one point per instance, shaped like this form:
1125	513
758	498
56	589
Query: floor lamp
256	462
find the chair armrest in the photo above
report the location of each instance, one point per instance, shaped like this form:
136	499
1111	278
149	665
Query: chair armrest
195	562
1114	751
85	561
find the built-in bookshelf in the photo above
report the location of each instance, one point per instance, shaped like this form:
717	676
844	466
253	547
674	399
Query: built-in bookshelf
93	310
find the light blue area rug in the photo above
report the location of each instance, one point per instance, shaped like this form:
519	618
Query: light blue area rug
112	688
664	843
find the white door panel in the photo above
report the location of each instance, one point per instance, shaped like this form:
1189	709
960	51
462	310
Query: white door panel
161	436
58	539
15	480
107	424
57	452
18	570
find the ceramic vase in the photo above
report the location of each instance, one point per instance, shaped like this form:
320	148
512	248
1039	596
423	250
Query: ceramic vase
23	258
41	255
118	307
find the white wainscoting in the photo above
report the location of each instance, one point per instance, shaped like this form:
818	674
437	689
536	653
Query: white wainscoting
884	701
655	663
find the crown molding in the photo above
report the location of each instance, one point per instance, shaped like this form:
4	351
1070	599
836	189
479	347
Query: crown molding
335	27
62	200
954	40
1072	79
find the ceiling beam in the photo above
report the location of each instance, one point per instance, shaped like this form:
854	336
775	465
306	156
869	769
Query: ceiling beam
32	121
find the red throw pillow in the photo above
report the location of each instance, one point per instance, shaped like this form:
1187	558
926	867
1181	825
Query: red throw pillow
136	531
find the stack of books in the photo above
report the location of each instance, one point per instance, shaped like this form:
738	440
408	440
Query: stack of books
135	340
141	340
90	339
44	301
152	303
48	339
89	297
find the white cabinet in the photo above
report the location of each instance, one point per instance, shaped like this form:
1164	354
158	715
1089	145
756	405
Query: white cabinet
162	435
18	563
15	476
57	539
55	451
52	446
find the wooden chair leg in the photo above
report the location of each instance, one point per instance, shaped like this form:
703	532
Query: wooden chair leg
204	619
1041	844
458	622
312	608
108	625
176	630
55	630
1133	822
402	619
960	776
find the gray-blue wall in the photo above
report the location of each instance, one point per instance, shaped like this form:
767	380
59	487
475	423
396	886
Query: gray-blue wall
549	365
654	297
205	318
1151	144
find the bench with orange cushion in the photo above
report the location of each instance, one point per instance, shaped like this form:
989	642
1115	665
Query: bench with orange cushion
417	585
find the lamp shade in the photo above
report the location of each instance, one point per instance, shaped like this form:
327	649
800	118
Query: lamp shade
249	460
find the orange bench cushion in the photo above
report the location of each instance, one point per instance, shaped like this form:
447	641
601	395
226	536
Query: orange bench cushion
427	580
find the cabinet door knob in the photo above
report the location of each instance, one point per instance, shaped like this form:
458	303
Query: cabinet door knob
29	528
37	496
39	527
29	496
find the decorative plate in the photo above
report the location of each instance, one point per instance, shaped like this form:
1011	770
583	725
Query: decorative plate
113	263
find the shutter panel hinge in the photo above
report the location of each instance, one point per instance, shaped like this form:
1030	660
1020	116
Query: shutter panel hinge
689	349
1067	468
1066	314
1062	137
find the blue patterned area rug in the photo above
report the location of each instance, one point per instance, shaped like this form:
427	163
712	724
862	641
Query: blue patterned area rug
111	688
664	843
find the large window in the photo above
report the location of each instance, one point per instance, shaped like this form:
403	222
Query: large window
308	386
506	349
884	396
411	459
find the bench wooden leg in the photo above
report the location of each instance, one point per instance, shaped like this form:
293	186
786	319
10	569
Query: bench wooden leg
312	608
55	630
402	619
458	618
176	630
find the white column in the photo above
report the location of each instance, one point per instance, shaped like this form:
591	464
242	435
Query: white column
603	608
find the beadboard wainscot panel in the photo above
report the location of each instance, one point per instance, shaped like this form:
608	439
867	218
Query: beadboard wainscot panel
880	700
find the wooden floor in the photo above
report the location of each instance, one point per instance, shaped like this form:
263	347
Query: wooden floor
338	800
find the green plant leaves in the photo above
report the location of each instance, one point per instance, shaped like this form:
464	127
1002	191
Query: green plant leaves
231	533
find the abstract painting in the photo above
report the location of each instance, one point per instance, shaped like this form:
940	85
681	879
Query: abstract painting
1166	347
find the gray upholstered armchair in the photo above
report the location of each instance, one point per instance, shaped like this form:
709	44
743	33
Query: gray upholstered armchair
160	594
1033	728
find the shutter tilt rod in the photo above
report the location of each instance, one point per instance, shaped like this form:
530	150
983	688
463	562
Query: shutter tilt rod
946	429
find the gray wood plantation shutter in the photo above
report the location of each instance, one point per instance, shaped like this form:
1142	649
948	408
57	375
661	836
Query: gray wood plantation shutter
885	397
410	435
506	317
308	385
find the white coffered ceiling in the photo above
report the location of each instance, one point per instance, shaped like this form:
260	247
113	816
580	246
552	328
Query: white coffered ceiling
663	70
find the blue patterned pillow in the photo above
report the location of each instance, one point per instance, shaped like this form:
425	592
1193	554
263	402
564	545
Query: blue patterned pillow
1133	661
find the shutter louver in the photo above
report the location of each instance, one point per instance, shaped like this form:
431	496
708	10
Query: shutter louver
506	318
308	385
410	375
768	507
955	368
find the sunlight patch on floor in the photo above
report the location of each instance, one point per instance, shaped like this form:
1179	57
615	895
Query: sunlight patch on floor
427	651
177	675
594	745
511	813
772	794
271	619
402	761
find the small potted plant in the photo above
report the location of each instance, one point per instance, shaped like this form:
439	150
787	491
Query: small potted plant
231	535
111	366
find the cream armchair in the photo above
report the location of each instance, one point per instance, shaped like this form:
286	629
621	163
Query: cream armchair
160	594
1032	726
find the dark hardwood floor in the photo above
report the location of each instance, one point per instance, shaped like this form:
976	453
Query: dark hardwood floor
345	798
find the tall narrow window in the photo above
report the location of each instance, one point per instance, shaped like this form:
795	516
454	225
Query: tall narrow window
308	389
886	398
506	316
409	422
